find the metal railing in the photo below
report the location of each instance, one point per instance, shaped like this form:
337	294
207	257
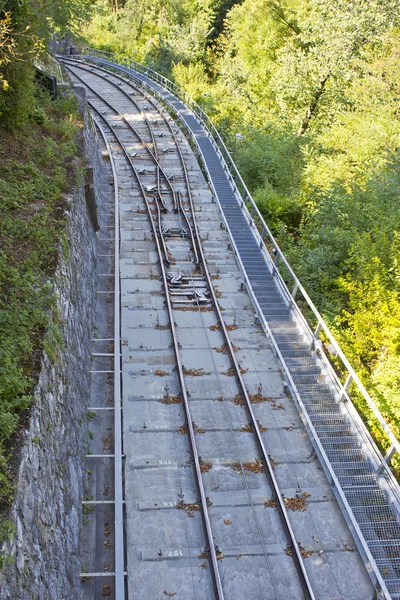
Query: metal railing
276	262
274	255
47	63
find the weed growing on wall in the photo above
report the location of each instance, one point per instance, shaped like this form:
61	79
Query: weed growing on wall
35	173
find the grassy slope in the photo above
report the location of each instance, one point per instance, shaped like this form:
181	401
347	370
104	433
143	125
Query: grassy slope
33	178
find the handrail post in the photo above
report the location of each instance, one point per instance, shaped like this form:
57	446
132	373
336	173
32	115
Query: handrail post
263	232
315	335
276	261
345	387
386	459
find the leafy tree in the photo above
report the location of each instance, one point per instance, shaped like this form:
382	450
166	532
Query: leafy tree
253	36
24	30
313	85
327	52
219	11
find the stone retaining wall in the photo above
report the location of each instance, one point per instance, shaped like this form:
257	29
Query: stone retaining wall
47	510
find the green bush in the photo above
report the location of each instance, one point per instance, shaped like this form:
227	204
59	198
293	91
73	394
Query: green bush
33	178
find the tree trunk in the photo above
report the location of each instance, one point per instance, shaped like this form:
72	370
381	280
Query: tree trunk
115	10
140	27
280	15
313	106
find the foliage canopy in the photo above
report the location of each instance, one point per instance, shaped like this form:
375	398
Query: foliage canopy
314	87
36	137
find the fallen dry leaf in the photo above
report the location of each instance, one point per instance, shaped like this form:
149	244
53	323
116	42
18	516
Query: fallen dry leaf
305	553
316	539
196	372
230	372
259	398
256	467
246	428
271	503
160	373
171	400
205	467
298	503
238	400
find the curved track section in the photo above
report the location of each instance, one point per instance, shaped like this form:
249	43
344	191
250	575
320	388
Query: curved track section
224	497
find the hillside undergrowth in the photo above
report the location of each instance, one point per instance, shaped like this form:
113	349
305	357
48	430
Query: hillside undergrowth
313	87
35	173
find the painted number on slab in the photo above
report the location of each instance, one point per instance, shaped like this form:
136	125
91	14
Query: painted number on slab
177	553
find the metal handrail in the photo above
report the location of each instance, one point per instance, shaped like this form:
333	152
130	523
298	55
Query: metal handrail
48	64
245	197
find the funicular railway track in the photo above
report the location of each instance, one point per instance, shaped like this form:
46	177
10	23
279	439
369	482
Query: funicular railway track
171	216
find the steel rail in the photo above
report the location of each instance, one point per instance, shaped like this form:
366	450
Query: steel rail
154	153
241	463
183	212
177	204
245	197
196	458
305	583
382	462
90	70
155	156
299	563
296	553
111	107
98	68
303	576
348	407
158	182
160	233
160	198
119	537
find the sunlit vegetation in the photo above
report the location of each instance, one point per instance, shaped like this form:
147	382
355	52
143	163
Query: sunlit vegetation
313	85
37	142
